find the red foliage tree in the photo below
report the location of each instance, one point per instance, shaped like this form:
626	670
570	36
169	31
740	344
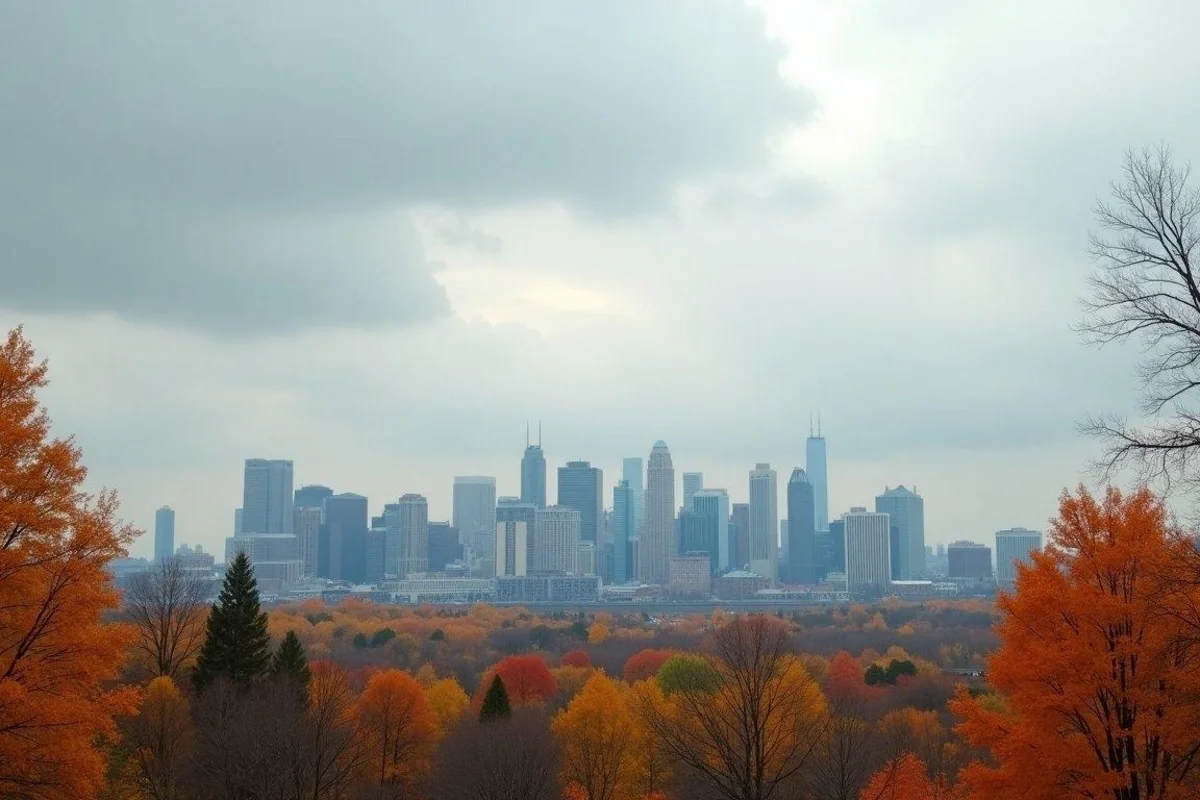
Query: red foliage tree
526	678
576	658
645	664
844	682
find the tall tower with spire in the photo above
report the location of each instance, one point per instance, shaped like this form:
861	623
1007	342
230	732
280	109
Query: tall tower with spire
657	542
816	470
533	471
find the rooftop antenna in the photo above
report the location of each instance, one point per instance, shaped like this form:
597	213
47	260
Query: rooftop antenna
810	425
818	424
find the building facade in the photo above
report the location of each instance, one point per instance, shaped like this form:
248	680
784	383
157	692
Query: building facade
624	526
164	534
557	548
444	546
633	470
1012	546
698	534
906	509
407	522
690	575
581	487
475	518
267	499
969	560
344	538
764	522
692	483
533	474
715	503
868	549
512	547
801	530
311	496
306	525
739	536
816	468
656	544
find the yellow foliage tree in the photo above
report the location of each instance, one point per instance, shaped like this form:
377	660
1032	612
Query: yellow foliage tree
599	738
447	700
597	633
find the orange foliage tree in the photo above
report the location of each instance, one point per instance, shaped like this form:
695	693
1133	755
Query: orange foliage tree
904	778
645	664
55	653
576	658
526	678
1097	697
400	728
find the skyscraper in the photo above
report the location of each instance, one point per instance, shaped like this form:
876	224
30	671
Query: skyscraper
907	512
444	546
815	469
312	496
698	533
867	549
345	534
656	544
581	486
715	503
764	522
969	560
692	483
801	530
558	539
307	527
475	518
512	546
837	545
632	471
624	524
533	472
1012	546
267	496
407	522
164	534
739	536
514	509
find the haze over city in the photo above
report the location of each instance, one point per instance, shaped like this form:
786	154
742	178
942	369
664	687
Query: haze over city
397	257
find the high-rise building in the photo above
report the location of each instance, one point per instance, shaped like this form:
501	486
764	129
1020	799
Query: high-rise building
692	483
237	522
475	516
407	523
267	496
690	575
632	470
815	467
581	486
345	537
533	472
312	496
375	553
715	503
558	539
868	550
1012	546
698	534
837	546
764	522
624	526
515	509
739	536
969	560
907	512
512	546
444	546
656	544
307	527
802	531
164	534
585	559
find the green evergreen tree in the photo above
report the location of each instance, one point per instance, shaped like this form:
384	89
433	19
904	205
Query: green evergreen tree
290	661
236	643
495	702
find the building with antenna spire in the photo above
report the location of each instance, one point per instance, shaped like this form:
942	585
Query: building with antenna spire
815	469
533	471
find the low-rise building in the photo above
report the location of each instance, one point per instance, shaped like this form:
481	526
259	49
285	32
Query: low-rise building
739	585
690	575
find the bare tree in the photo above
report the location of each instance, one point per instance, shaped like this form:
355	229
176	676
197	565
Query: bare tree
167	606
846	756
751	736
1145	288
508	759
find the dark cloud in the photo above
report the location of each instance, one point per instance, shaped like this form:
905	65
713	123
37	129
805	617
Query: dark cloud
212	166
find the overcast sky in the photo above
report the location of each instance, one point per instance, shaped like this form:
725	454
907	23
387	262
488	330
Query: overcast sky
376	238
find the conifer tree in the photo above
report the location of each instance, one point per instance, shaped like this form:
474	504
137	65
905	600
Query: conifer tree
236	644
290	661
495	702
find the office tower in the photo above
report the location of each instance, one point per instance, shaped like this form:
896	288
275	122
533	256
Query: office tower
533	472
816	469
739	536
514	509
558	539
969	560
783	544
941	548
444	546
624	524
907	512
407	522
273	556
692	483
802	531
475	516
512	546
715	503
164	534
764	522
312	496
698	534
1013	545
824	548
867	549
267	496
585	560
375	552
345	535
837	546
656	544
632	471
307	527
237	522
581	487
